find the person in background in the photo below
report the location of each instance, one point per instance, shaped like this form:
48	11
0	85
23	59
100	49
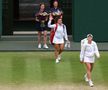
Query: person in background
88	52
60	35
41	25
55	11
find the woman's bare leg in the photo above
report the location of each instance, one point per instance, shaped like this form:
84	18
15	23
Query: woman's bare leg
39	37
88	68
45	37
56	46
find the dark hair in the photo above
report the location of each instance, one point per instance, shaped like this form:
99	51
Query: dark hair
57	18
41	4
55	1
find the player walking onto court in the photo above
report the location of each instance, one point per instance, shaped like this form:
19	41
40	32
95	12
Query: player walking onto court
88	52
60	34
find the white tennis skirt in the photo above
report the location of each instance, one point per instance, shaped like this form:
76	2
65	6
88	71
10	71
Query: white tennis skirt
58	41
89	59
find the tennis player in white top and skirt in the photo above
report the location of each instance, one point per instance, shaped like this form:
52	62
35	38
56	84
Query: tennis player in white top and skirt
88	52
60	35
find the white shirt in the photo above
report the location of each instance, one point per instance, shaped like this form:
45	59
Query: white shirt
83	41
89	50
60	33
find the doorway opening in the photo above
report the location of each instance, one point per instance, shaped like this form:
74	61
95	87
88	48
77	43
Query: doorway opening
18	15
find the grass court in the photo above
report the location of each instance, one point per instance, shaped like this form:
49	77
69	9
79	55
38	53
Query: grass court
38	71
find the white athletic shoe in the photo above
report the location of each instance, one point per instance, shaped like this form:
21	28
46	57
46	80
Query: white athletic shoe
91	83
45	46
39	45
59	57
85	77
57	61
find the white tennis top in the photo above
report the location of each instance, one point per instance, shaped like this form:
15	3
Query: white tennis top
89	50
60	34
83	41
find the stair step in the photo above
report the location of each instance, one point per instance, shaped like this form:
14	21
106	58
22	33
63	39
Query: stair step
21	37
26	32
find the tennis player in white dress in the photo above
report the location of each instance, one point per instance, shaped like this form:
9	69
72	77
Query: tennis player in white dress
88	52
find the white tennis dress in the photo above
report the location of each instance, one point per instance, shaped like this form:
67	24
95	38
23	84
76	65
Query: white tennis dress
88	52
60	34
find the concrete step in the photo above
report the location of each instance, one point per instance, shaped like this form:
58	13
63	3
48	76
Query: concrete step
33	37
29	43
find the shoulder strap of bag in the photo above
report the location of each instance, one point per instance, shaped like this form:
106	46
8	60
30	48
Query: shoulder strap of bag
56	27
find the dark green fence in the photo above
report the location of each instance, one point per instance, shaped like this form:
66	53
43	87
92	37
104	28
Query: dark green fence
90	16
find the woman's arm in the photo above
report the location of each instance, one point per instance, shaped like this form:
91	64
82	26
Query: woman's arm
82	53
49	22
51	26
97	51
83	41
65	33
36	17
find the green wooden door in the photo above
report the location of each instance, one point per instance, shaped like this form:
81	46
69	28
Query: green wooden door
90	16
